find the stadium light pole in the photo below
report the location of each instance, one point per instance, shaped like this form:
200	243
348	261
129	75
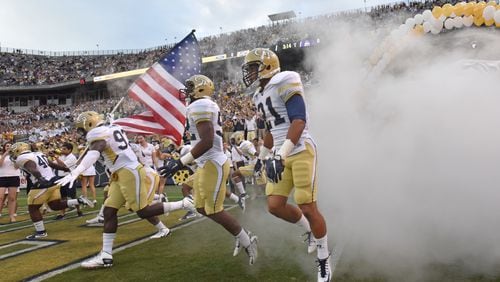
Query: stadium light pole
97	45
365	5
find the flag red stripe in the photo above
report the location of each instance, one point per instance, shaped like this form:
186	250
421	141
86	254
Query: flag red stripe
159	97
164	83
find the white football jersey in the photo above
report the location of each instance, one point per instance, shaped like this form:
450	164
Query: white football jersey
247	148
206	110
118	152
42	164
271	103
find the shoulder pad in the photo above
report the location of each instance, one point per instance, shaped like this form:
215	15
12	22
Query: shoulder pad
98	133
285	77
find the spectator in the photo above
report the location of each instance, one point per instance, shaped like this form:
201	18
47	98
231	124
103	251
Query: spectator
9	180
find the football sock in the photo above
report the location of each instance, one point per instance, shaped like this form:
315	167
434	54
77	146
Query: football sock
234	197
39	225
322	247
304	223
72	202
244	238
172	206
239	186
101	211
107	242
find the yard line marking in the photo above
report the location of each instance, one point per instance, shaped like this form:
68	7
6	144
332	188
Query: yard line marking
76	264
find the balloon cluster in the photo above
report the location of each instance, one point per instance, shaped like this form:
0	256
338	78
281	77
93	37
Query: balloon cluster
446	17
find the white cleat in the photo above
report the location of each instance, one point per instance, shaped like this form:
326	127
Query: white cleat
251	250
310	241
324	270
188	204
85	201
103	259
96	220
162	233
237	247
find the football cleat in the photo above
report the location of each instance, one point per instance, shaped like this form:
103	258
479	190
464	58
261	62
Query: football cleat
237	247
162	233
188	215
37	235
242	202
324	270
103	259
251	250
96	220
310	241
188	204
85	201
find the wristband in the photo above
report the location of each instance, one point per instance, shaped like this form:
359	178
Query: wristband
187	158
286	148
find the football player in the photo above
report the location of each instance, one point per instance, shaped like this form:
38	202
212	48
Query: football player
129	184
279	98
41	185
210	178
247	150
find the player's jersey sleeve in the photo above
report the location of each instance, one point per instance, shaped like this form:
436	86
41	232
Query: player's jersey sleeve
98	133
22	159
202	110
289	84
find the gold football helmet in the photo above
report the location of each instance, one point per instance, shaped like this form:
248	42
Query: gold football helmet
198	86
87	121
238	137
260	63
17	149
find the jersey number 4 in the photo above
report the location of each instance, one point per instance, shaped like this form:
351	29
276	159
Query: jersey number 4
277	118
43	161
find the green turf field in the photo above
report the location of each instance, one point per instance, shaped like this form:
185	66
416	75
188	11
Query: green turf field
197	250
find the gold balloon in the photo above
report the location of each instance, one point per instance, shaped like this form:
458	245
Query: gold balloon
492	3
418	30
469	9
478	11
479	21
459	10
489	22
447	10
437	12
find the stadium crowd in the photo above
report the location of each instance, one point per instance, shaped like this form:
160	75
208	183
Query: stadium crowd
49	126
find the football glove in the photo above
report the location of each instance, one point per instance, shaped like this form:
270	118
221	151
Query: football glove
70	178
274	169
258	166
44	183
170	168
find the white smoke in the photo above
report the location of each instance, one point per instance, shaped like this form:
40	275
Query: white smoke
408	164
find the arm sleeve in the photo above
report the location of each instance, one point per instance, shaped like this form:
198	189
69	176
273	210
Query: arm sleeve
296	108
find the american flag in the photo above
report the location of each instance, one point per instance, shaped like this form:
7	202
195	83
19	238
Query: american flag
158	89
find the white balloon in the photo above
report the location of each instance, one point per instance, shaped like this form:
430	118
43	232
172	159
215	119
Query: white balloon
427	15
442	18
427	27
436	23
419	19
410	22
449	24
497	16
489	13
459	22
435	30
404	29
468	21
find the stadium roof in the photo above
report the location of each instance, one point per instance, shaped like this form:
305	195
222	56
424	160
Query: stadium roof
282	16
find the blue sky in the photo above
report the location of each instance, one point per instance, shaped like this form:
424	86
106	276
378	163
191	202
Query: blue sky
64	25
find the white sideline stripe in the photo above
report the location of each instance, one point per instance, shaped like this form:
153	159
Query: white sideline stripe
117	250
